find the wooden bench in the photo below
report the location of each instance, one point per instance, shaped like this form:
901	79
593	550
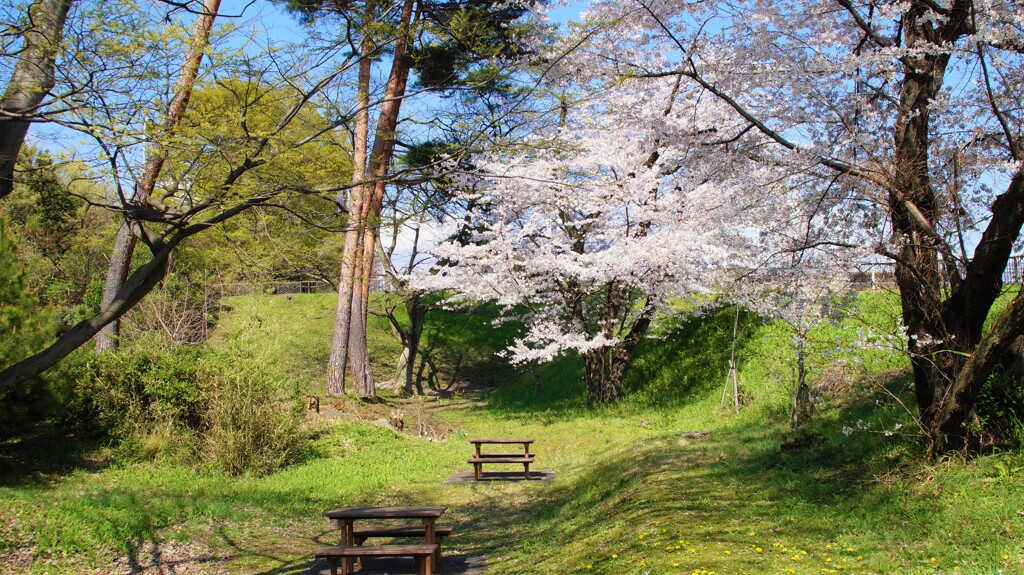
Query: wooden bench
336	555
478	463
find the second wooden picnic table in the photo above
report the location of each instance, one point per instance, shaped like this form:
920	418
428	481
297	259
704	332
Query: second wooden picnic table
526	458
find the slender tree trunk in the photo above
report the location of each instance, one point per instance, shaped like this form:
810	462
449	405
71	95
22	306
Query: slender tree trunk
417	319
342	319
117	272
368	223
124	244
32	80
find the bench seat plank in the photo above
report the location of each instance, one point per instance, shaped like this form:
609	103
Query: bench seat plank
500	459
478	463
340	554
376	550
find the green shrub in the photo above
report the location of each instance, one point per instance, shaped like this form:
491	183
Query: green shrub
1001	409
187	404
25	327
250	429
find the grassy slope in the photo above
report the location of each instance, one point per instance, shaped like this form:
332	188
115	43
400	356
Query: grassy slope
629	497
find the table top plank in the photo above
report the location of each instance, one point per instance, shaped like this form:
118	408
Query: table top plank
500	440
386	512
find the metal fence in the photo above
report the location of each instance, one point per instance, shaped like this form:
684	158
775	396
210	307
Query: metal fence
287	288
882	274
274	288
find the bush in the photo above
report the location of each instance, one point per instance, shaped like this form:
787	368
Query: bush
249	428
25	327
1001	410
151	404
188	404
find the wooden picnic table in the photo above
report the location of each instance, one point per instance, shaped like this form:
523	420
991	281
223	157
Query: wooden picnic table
347	516
526	458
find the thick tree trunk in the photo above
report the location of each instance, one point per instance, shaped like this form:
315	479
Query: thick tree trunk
32	80
605	368
124	244
944	330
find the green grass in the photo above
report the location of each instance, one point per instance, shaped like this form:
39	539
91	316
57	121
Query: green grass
630	496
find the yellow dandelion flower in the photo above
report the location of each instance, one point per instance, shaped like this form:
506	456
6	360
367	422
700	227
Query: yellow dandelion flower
828	560
828	546
615	555
933	560
727	552
758	549
1006	557
840	567
641	536
693	550
860	557
676	564
590	566
668	548
752	533
849	550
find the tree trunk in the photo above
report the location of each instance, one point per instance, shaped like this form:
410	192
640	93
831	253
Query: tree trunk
124	244
943	334
32	80
605	368
417	319
343	317
117	273
364	219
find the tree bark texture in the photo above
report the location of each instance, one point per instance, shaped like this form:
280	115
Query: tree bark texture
605	368
339	341
364	220
124	244
32	80
951	356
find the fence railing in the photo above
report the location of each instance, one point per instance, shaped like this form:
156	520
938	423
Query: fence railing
883	273
274	288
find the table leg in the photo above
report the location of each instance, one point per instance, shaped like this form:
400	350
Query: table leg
430	537
347	540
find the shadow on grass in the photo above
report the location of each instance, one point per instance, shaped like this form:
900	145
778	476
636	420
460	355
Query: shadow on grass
717	490
688	360
40	452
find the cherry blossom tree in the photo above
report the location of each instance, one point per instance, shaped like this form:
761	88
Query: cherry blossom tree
915	106
603	219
